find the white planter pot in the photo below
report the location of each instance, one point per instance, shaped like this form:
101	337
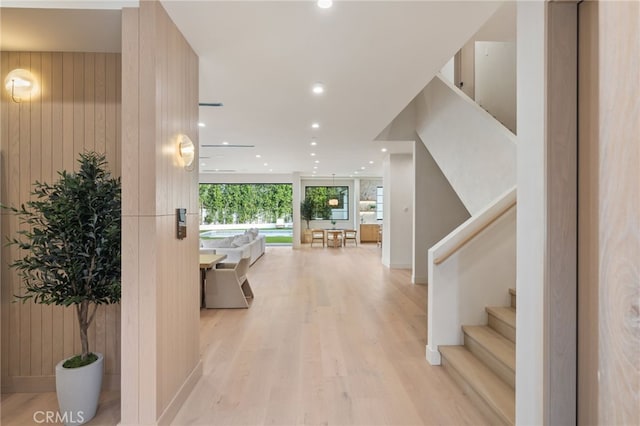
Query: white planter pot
78	391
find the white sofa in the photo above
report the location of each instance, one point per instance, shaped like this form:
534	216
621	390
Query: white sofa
250	244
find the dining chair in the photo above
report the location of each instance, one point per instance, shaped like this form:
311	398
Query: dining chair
350	234
317	235
227	286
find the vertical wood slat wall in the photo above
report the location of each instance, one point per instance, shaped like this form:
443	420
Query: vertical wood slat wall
77	108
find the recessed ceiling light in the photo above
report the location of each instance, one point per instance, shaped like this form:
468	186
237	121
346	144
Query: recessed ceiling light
370	162
355	173
270	170
325	4
315	167
315	126
202	124
313	154
317	161
384	150
258	155
362	168
314	143
318	88
225	143
202	164
350	175
314	172
266	164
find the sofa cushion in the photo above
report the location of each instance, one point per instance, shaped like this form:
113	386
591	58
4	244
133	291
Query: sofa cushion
240	240
219	243
253	231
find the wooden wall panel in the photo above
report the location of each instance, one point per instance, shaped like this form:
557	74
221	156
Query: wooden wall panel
609	270
560	288
161	310
588	214
40	137
619	212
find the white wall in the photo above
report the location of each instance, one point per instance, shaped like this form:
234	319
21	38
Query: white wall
447	70
500	27
437	210
397	247
475	152
531	213
495	80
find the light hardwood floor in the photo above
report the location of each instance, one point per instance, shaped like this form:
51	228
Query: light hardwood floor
332	337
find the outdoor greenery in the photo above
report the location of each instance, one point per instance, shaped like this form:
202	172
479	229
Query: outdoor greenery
72	242
319	197
245	203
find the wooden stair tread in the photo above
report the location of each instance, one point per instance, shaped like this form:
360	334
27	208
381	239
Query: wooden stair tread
504	314
499	396
501	348
512	291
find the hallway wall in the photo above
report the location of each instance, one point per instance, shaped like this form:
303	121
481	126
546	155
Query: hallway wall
76	109
160	278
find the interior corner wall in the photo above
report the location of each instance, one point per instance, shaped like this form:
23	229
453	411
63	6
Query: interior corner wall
161	283
397	237
437	210
77	109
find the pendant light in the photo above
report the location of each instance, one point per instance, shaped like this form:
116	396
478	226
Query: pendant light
333	201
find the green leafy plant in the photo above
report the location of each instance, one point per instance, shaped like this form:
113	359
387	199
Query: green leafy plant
307	208
72	242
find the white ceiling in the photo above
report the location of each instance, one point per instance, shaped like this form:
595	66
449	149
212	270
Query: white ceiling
261	58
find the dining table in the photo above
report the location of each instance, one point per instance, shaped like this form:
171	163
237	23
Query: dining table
337	237
207	261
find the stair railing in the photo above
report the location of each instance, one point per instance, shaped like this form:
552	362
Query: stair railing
469	269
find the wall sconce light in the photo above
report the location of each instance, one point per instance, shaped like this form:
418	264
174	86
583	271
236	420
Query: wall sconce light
20	84
186	149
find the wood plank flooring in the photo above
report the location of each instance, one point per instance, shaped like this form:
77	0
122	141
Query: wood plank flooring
332	337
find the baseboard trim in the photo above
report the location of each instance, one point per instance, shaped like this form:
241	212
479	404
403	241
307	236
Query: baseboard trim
39	384
181	396
433	356
419	279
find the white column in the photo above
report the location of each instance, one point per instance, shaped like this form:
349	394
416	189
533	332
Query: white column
297	222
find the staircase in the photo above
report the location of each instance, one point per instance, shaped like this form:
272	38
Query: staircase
485	366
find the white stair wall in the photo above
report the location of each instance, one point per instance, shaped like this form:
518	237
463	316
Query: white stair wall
478	274
475	152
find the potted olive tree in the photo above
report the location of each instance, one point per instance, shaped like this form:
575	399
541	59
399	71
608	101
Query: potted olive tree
72	258
306	213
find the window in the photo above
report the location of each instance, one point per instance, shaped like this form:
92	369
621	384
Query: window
379	200
320	195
